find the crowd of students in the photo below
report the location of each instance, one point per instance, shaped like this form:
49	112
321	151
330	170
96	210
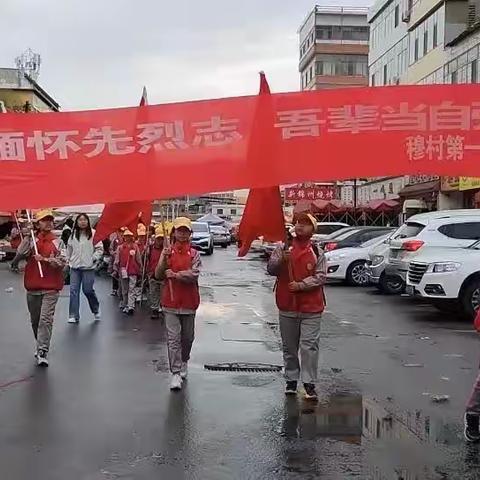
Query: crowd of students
162	264
167	266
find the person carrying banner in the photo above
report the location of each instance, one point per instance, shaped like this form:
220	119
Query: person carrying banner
127	267
155	286
43	280
179	266
301	274
82	256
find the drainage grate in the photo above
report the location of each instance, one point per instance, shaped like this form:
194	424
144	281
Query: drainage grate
243	367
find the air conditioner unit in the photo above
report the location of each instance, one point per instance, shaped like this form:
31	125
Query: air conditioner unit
407	10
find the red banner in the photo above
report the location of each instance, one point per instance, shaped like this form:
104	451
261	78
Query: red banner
162	151
321	192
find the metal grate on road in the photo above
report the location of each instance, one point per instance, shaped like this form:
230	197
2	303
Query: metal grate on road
243	367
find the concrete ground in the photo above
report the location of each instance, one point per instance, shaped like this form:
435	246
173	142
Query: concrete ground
103	409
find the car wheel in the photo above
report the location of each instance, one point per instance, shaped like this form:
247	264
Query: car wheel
224	245
391	285
470	298
209	251
357	274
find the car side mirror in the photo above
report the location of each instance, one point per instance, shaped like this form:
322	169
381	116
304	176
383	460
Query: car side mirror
388	241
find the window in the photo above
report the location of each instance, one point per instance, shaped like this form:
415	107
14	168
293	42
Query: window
373	80
385	74
454	77
435	35
233	211
367	418
397	16
462	231
474	72
409	230
379	430
425	42
415	55
219	211
319	68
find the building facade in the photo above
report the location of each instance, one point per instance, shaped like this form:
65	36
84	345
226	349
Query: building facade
426	42
19	92
334	48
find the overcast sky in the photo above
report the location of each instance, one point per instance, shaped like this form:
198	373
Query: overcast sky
98	54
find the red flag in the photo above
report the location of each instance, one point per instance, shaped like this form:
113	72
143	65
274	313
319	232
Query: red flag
144	99
126	214
263	215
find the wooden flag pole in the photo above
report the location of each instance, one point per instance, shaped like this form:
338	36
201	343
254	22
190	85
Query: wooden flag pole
167	244
34	240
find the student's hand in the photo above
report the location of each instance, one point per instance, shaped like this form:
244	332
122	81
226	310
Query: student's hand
132	253
170	274
294	286
38	258
167	251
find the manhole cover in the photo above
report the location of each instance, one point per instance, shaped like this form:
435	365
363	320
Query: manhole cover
243	367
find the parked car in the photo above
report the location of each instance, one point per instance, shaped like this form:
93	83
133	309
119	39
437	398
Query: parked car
350	263
448	277
324	229
221	236
447	228
388	284
202	237
353	237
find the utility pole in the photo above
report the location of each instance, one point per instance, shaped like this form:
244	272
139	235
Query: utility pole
355	200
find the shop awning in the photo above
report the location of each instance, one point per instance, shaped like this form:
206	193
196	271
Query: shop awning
419	189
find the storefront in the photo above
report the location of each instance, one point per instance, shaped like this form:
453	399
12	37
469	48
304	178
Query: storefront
459	192
420	196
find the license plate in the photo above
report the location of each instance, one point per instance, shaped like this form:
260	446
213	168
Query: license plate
410	290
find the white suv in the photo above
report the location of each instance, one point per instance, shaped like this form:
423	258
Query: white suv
449	277
447	228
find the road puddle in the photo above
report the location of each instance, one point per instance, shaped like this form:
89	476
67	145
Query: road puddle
382	443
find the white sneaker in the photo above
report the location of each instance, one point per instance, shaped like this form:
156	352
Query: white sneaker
184	370
72	320
42	360
176	383
97	316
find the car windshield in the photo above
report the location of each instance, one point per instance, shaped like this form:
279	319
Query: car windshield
340	233
409	230
217	229
344	234
200	227
374	241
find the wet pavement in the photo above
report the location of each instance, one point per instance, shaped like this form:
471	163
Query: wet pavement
103	410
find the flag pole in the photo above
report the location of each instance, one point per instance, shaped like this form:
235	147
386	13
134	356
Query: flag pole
34	240
166	240
144	265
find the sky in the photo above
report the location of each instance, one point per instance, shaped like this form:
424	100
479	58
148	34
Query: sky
100	54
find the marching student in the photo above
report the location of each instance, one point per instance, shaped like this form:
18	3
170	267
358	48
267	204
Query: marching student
301	273
82	255
127	267
43	280
179	267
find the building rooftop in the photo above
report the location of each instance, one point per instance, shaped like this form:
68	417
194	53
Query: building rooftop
15	79
335	10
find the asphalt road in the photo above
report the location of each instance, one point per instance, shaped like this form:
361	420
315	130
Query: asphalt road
103	410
